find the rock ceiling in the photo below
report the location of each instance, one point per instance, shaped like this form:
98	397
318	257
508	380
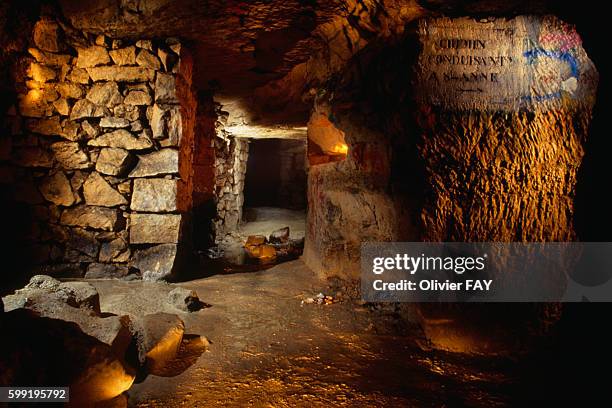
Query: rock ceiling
258	55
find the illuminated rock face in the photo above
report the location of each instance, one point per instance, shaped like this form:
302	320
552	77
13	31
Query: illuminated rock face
465	149
504	116
482	143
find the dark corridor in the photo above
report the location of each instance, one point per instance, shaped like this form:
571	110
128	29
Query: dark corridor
275	175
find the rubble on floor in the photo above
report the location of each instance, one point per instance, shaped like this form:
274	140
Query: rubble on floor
102	353
319	299
278	246
186	300
159	341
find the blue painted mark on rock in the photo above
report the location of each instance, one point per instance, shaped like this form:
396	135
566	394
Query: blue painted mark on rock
564	56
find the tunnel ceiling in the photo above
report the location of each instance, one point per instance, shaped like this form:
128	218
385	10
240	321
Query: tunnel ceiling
238	46
261	57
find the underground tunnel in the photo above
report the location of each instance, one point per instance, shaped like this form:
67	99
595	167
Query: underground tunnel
201	198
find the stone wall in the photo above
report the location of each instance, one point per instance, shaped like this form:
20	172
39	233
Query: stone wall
431	167
350	202
99	146
231	154
424	167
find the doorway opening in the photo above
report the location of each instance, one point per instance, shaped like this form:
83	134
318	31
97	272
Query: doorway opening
261	215
275	187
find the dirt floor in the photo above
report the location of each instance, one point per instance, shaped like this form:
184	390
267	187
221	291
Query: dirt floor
268	349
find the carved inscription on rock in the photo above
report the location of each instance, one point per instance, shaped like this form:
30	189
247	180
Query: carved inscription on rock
500	64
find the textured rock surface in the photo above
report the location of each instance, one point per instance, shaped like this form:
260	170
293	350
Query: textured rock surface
93	349
138	98
124	56
165	89
114	122
46	35
92	56
524	184
106	94
184	299
122	139
84	109
154	228
41	289
70	156
112	161
121	74
162	336
280	236
57	189
146	59
84	104
488	175
162	162
157	262
68	356
105	271
113	330
230	169
99	192
116	250
155	195
91	217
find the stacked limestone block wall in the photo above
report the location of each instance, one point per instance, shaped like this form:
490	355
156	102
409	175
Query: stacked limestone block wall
219	168
231	155
99	149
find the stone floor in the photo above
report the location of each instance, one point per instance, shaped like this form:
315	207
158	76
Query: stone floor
270	350
264	220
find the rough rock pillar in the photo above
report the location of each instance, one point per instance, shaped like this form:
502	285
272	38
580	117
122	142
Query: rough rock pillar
504	108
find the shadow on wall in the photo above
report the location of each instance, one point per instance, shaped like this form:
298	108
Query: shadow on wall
591	220
16	22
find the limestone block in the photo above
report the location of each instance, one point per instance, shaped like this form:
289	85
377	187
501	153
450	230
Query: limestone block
70	156
56	189
92	217
46	35
147	60
112	161
97	191
155	228
92	56
164	161
124	56
155	263
105	271
121	139
154	195
106	94
121	74
165	89
114	122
